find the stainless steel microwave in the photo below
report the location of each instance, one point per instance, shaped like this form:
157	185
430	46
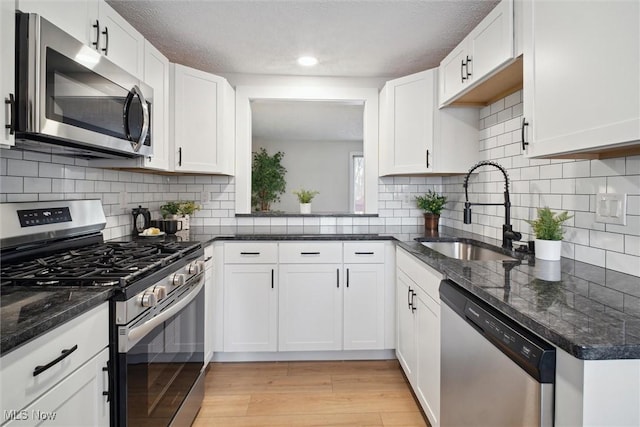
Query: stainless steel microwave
71	100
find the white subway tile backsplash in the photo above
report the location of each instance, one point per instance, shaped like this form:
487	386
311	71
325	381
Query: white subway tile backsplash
577	169
622	262
629	184
590	255
608	241
22	168
608	167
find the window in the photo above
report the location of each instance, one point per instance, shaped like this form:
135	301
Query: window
356	182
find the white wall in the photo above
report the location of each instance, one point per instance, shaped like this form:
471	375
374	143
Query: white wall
314	165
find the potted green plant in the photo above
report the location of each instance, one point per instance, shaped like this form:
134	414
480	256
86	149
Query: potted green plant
186	209
169	209
267	179
432	204
305	197
549	232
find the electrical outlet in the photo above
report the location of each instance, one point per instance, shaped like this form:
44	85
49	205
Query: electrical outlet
123	199
611	208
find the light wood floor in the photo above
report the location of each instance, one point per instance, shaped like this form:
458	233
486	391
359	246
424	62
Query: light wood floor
360	393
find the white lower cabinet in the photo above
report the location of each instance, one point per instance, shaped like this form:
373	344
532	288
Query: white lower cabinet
74	390
364	307
418	347
310	309
250	297
304	296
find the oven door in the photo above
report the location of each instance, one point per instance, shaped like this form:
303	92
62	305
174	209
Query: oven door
160	362
73	95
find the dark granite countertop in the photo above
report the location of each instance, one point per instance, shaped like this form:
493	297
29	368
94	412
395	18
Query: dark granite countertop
588	311
27	312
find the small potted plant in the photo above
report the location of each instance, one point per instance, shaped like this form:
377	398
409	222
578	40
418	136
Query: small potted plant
548	231
305	197
170	210
186	209
432	204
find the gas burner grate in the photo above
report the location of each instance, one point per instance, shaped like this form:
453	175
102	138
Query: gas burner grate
105	264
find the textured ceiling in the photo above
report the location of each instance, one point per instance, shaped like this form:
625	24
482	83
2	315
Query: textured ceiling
306	121
351	38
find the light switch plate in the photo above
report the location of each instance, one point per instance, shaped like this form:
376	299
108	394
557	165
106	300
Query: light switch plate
611	208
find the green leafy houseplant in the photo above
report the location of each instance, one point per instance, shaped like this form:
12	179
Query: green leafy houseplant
267	179
305	196
548	225
431	202
188	207
170	208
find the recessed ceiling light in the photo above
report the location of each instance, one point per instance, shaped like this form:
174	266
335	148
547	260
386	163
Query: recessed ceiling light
307	61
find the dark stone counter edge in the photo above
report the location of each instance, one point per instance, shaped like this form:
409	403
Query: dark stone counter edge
604	352
13	341
299	215
293	237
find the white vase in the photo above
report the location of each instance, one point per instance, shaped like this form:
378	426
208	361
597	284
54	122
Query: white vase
549	250
185	222
305	208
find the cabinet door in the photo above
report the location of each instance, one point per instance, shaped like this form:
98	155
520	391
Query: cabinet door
7	59
121	43
310	307
76	400
203	133
490	44
156	75
79	18
428	355
406	111
453	75
364	307
406	346
581	68
250	307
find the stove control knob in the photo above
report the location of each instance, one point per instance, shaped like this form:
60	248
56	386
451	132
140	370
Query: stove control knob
148	299
160	292
177	279
201	265
193	268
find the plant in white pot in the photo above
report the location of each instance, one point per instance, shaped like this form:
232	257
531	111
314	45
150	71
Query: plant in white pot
186	209
305	197
548	231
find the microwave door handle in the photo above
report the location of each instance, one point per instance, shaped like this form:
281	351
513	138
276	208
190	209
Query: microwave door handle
136	92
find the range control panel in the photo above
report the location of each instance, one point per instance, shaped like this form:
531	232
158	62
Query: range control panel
33	217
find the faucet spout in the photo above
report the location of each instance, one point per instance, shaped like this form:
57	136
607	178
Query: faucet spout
508	235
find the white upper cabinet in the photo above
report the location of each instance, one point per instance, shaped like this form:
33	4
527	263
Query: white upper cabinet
203	107
581	84
416	137
156	75
97	25
7	59
488	47
119	41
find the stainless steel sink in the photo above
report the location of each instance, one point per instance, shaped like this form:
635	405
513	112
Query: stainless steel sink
467	251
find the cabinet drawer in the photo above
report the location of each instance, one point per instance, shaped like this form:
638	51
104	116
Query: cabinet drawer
423	275
311	252
250	253
363	252
89	332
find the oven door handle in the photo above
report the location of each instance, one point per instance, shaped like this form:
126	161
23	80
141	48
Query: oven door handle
139	332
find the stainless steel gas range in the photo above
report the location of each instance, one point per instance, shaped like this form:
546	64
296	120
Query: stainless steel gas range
156	313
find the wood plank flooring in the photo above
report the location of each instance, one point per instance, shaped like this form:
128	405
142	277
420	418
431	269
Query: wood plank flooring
345	393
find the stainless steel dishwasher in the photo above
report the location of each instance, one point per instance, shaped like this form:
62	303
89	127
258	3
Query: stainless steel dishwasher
494	372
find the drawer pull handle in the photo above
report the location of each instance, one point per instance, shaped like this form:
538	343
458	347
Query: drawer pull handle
309	253
347	277
250	253
272	279
65	353
337	278
365	253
